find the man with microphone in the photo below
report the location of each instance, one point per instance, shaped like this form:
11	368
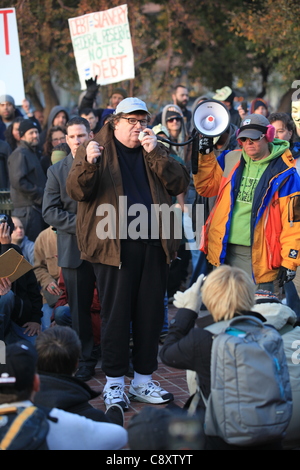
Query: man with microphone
255	223
125	165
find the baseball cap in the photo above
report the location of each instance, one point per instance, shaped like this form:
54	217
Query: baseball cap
172	114
224	94
253	126
26	125
7	98
19	370
131	105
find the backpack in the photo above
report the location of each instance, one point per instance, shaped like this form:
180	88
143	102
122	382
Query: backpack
251	399
23	428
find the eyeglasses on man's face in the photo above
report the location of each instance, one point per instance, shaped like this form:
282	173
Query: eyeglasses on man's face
134	121
244	139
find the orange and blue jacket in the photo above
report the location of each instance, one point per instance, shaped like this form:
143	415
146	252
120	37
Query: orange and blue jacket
275	218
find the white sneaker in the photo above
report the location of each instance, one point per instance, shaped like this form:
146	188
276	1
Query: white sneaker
115	395
150	392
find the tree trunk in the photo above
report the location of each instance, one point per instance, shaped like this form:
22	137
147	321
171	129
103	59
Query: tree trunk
50	97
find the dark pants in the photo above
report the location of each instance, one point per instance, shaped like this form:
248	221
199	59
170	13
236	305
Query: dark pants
135	292
80	285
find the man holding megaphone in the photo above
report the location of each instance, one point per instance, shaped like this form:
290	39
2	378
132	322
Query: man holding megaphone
255	222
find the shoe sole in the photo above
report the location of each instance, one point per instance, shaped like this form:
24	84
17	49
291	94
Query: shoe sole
151	400
122	404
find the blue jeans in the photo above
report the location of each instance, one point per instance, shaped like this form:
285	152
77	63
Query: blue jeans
292	297
12	332
62	316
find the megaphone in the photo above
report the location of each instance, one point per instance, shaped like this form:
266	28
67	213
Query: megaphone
211	118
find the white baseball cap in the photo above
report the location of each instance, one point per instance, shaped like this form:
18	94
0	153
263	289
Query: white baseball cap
130	105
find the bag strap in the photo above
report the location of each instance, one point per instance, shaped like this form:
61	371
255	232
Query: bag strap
196	398
15	427
243	318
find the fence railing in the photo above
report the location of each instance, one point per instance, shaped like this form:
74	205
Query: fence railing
6	205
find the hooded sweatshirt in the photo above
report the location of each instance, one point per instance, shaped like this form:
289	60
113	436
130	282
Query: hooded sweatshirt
253	171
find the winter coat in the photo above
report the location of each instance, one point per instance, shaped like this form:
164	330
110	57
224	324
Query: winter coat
27	178
93	185
69	394
275	220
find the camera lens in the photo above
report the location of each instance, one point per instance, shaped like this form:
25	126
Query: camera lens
3	219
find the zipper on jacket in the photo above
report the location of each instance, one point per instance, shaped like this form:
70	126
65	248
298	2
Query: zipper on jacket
290	213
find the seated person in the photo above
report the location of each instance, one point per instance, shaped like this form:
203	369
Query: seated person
227	292
58	351
20	301
67	431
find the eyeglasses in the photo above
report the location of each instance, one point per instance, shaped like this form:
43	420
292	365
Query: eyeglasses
174	119
243	139
59	139
133	121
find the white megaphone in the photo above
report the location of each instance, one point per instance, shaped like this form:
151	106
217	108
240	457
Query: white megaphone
211	118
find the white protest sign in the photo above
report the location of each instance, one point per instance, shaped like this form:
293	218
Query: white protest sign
102	46
11	74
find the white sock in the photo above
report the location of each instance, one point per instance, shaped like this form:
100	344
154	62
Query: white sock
139	379
114	381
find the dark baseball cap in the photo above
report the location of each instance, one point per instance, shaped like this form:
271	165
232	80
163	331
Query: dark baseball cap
20	368
253	126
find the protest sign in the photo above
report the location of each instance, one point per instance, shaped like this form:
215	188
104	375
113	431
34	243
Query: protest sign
11	75
102	46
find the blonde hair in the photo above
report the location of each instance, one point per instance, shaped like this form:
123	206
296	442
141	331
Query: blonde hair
226	291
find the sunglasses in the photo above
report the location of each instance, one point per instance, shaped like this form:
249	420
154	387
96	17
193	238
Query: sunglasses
243	139
174	119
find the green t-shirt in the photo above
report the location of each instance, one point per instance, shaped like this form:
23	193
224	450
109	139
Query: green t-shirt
240	225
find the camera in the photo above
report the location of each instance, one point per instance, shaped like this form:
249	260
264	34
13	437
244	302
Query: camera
4	218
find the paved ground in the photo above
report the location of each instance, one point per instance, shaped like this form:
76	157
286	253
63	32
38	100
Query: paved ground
172	380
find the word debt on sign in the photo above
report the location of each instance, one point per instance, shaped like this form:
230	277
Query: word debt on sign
11	75
102	46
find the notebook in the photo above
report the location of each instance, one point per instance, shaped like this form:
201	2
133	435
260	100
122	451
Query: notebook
13	265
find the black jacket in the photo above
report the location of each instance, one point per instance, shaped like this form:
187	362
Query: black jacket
69	394
28	300
188	347
27	177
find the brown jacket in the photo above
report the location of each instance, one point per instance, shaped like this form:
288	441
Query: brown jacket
94	185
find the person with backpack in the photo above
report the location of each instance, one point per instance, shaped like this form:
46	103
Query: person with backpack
242	405
27	427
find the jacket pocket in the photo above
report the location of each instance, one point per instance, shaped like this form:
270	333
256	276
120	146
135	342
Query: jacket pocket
294	209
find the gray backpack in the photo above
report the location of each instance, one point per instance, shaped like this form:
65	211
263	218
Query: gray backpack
251	399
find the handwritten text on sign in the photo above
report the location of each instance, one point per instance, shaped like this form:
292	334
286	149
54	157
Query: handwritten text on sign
102	46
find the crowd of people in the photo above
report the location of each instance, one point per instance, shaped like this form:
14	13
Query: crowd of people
105	264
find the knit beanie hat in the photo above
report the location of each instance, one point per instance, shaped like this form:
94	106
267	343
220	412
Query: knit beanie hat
26	125
8	99
265	296
256	103
119	91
